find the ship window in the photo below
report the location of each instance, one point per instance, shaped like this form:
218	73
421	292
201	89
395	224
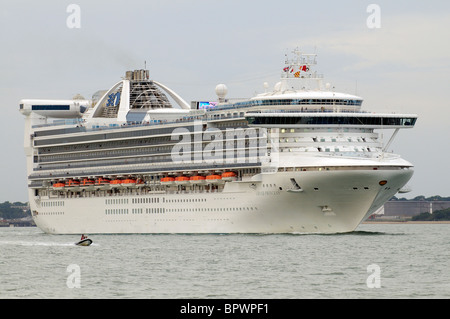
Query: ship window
50	107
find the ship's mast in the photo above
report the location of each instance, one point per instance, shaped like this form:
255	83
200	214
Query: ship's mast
298	73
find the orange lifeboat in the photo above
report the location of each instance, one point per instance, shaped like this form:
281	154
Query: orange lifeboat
73	184
87	182
214	179
181	180
115	183
167	180
229	176
59	186
102	182
197	179
129	182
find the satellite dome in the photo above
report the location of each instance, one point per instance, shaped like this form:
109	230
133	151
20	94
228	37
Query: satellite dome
221	90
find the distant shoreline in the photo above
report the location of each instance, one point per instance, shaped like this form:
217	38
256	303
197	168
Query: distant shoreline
405	222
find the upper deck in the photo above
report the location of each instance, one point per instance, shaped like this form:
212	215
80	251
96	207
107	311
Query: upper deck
300	99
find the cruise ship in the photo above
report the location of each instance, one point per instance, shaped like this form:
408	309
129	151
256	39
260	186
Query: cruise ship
137	158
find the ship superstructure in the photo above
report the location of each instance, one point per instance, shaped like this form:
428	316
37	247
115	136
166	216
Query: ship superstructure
137	158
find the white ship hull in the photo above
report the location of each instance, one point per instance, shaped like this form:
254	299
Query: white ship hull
298	159
330	202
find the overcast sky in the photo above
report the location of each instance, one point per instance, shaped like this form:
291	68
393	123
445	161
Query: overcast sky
400	65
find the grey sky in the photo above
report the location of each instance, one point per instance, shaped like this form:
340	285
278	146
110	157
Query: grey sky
192	46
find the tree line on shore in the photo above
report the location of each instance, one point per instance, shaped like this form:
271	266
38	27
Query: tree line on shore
423	198
14	210
439	215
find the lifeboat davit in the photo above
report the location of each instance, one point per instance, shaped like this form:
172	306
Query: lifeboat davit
181	180
214	179
197	179
167	180
229	176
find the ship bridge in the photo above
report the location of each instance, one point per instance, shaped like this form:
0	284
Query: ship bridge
300	89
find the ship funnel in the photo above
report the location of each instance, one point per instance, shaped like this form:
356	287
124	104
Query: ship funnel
137	75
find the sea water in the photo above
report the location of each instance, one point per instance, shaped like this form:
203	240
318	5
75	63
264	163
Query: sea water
375	261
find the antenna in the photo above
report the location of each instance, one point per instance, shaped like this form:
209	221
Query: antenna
145	65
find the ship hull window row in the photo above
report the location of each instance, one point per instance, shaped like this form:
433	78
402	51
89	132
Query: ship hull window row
106	135
50	107
236	156
330	120
293	102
